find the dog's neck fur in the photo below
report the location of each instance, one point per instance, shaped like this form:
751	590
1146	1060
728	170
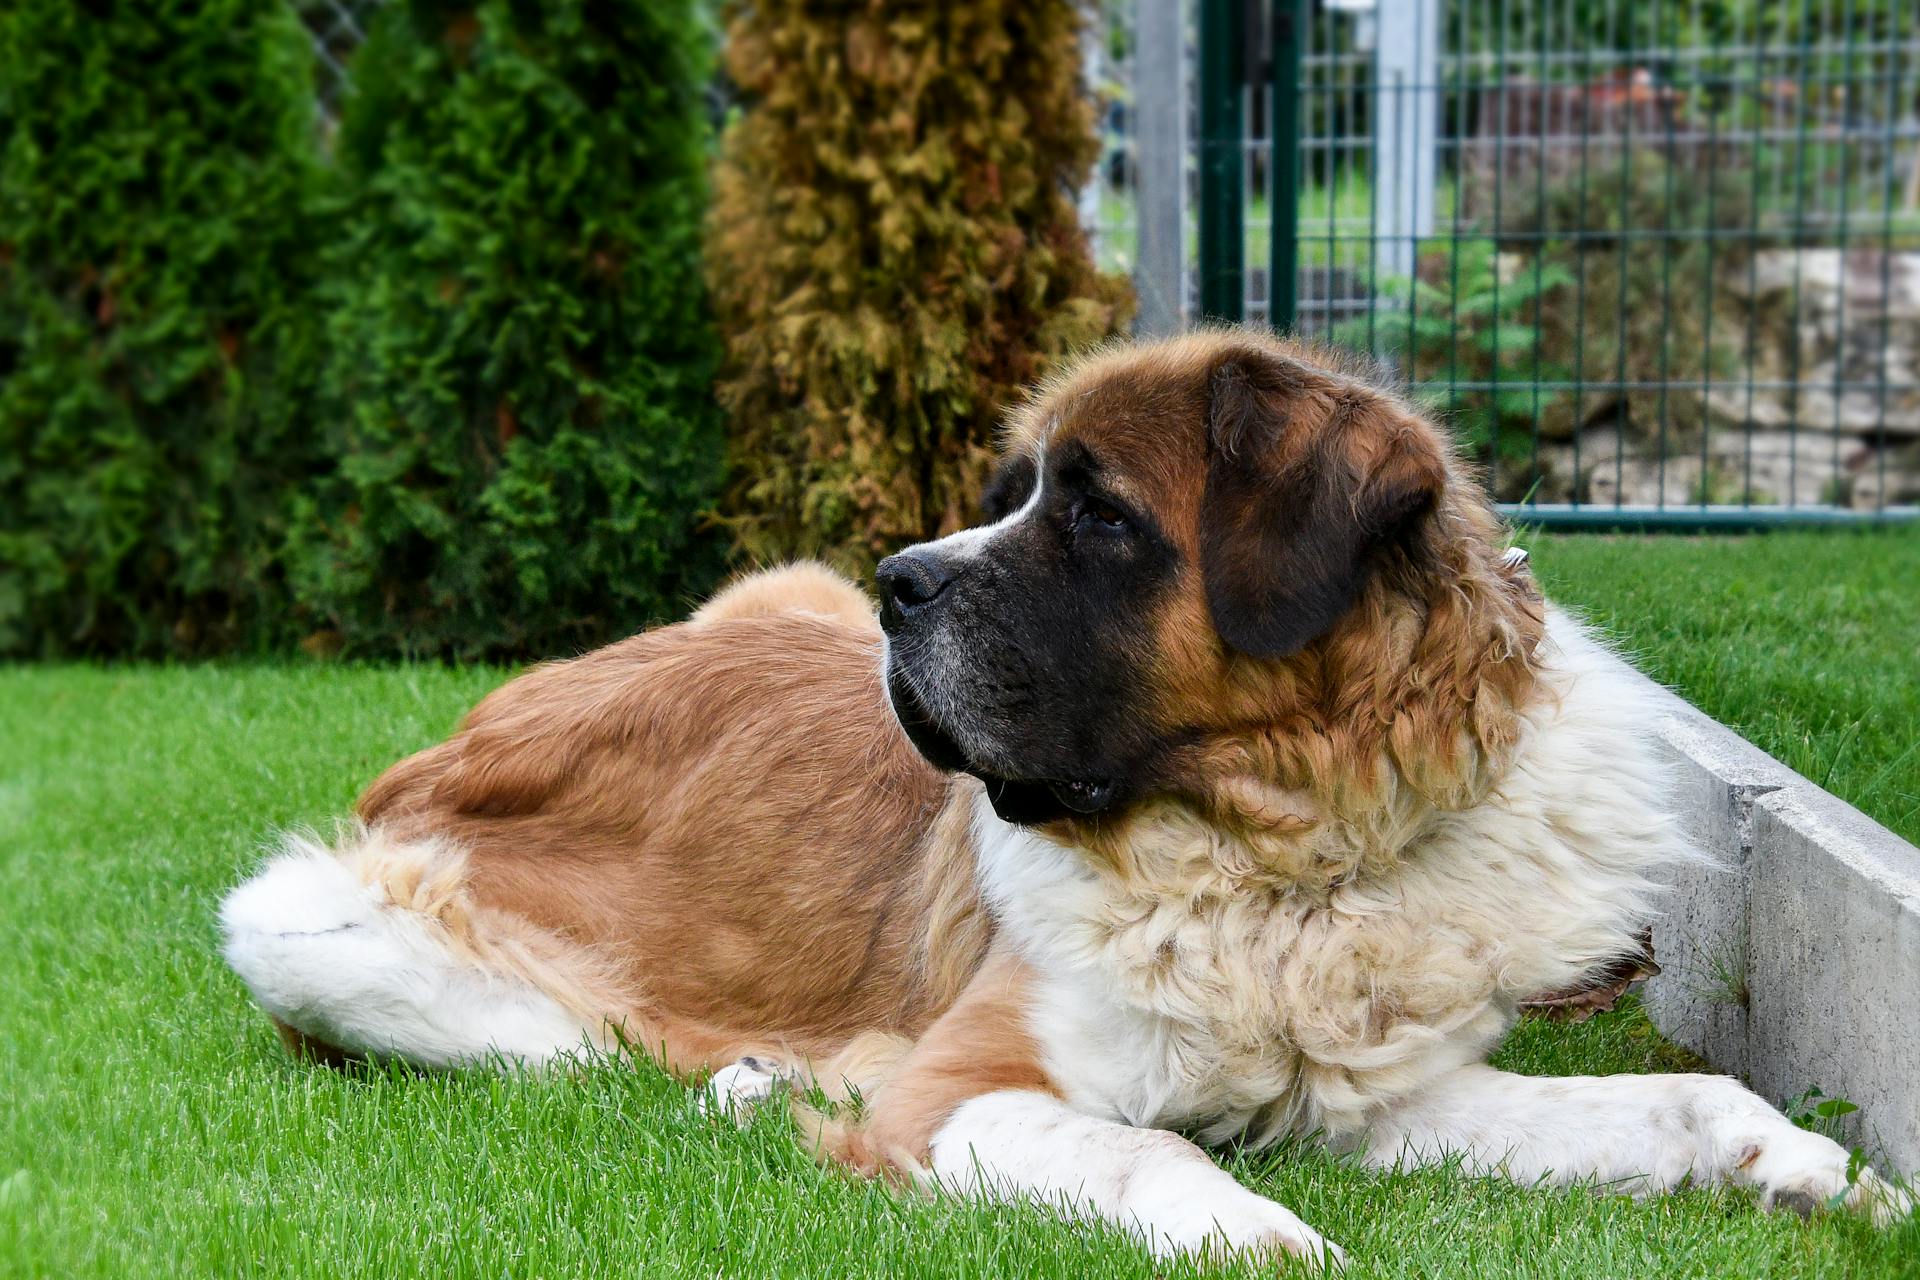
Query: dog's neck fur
1299	982
1341	757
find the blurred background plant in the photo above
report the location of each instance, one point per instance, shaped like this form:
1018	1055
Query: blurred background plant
1631	315
517	397
895	254
421	360
1560	315
158	329
1473	317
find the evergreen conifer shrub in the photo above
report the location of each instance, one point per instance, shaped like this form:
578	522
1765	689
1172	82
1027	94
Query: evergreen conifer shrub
894	253
520	388
157	329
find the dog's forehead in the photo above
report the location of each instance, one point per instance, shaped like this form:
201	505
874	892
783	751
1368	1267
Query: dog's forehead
1141	423
1145	408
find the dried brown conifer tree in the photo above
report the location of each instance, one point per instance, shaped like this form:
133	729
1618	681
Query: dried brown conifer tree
894	253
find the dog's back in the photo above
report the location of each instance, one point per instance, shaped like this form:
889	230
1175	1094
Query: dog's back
575	824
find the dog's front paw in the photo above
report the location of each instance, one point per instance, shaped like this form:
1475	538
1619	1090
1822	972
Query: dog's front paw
1245	1225
1806	1172
736	1090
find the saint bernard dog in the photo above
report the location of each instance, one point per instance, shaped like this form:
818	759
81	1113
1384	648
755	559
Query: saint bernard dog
1231	782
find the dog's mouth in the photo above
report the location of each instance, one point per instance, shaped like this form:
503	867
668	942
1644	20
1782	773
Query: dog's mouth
1022	801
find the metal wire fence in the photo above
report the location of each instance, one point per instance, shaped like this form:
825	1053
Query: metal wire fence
1650	260
1653	261
337	28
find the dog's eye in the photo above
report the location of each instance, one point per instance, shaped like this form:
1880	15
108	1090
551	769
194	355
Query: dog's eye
1103	516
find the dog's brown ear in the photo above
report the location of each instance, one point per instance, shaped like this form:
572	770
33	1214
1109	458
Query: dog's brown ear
1308	478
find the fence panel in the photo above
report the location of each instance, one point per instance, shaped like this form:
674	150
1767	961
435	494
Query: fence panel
337	28
1653	262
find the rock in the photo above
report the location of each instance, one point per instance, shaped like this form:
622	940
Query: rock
1892	481
1832	416
1836	338
1764	467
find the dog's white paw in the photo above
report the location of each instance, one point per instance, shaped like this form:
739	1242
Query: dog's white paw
1242	1224
736	1090
1806	1172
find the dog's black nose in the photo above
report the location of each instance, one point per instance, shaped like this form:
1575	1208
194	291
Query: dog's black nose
908	583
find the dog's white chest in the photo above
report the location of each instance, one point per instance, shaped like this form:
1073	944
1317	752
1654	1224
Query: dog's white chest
1204	1002
1153	1033
1216	1008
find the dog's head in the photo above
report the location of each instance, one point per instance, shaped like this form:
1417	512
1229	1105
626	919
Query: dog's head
1192	545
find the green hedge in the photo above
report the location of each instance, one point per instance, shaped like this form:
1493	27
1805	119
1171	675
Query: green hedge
447	391
156	321
519	389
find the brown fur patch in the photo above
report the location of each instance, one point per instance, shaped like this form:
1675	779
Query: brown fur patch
802	587
979	1046
727	818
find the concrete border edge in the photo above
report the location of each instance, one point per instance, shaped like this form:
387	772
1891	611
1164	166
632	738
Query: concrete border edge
1795	963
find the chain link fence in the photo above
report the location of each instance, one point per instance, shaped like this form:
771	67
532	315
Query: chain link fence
337	28
1654	262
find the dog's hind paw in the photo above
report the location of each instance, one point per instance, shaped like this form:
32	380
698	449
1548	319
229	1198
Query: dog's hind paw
736	1090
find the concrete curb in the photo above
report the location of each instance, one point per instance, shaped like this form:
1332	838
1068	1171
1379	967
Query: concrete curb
1795	963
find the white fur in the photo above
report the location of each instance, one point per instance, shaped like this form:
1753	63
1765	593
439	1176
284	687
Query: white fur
1208	999
965	544
1020	1145
1632	1133
736	1089
330	956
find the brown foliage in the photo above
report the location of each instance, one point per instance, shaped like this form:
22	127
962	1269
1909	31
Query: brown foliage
894	252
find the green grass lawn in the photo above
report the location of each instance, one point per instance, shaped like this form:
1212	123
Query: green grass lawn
152	1126
1808	643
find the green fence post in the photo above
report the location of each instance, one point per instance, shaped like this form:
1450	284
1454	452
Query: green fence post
1222	162
1283	166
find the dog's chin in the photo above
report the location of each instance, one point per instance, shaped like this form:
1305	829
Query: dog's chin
934	743
1024	802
